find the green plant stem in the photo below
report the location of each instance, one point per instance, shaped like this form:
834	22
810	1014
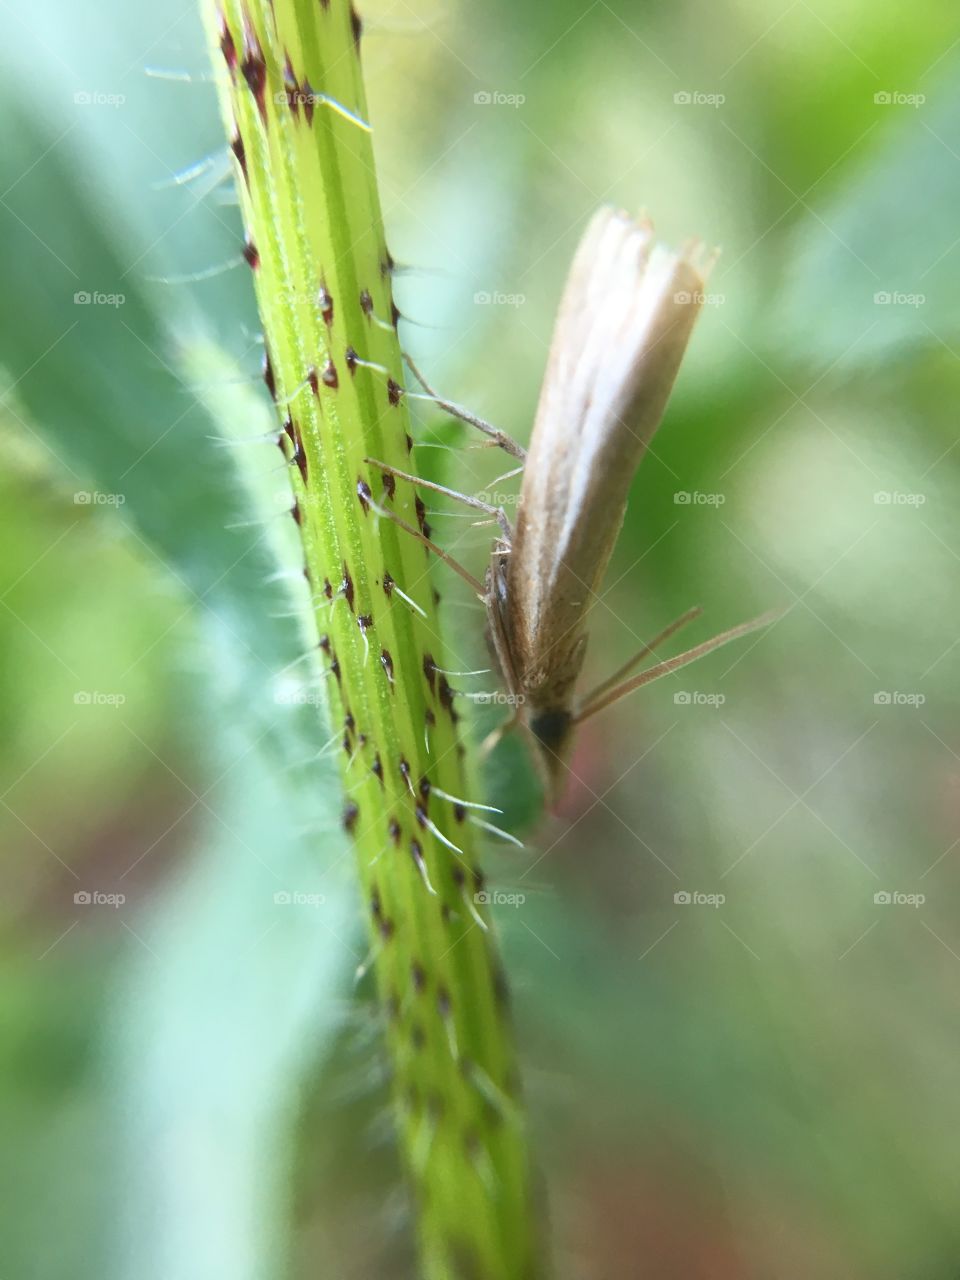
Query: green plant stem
308	191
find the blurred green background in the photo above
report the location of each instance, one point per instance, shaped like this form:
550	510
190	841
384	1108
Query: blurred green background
737	958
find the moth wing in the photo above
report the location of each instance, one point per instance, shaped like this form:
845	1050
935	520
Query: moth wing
624	320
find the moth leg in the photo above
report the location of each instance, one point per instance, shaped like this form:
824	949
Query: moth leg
622	672
494	736
455	565
505	442
664	668
476	503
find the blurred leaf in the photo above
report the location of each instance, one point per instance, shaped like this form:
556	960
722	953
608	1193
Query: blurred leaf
226	1006
875	272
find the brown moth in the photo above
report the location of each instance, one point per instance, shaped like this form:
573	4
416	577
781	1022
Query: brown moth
625	318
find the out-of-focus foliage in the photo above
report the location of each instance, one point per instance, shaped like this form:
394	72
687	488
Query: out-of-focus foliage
754	1087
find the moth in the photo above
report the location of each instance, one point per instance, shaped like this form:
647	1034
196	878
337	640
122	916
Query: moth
625	318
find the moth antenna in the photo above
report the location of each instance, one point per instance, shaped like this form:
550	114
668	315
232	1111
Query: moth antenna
622	672
674	664
427	542
497	512
497	831
206	273
507	443
178	75
466	804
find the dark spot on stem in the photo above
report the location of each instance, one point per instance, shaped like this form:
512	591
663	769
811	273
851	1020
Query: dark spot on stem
366	302
351	358
387	663
227	46
377	769
393	828
430	671
327	589
389	484
269	379
421	514
356	26
417	976
313	378
388	585
325	303
329	375
254	69
364	494
459	812
240	153
350	815
394	391
346	586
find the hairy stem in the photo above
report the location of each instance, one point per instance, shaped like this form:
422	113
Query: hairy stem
294	107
